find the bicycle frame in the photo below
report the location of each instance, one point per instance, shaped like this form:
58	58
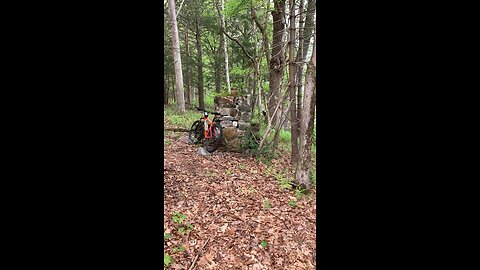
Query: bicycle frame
207	123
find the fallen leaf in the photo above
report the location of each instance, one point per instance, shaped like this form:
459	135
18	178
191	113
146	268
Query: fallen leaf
223	228
209	256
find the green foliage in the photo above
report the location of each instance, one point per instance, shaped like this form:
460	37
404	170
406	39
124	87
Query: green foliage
285	136
249	141
178	217
283	181
184	120
266	204
300	192
268	172
186	229
264	244
167	142
238	71
314	135
209	99
266	156
167	235
292	203
167	259
313	176
178	249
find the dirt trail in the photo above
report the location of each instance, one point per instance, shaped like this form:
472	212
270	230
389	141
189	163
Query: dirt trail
224	196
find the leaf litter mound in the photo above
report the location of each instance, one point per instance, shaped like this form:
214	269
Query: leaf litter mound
236	216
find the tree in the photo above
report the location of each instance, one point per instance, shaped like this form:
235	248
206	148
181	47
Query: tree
277	61
307	122
188	93
177	58
201	98
291	76
306	25
165	91
223	41
262	26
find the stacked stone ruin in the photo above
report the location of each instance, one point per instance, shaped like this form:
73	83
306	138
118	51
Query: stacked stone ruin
238	108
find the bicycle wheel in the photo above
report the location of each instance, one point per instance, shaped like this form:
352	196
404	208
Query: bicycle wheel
212	143
195	134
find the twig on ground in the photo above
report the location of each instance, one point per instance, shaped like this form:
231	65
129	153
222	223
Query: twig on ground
196	257
177	129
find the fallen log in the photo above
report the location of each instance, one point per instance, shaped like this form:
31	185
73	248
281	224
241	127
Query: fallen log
177	129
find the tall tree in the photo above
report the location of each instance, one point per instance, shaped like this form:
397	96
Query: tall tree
277	61
291	76
307	122
177	58
223	41
306	25
263	29
165	91
262	26
218	68
188	93
201	98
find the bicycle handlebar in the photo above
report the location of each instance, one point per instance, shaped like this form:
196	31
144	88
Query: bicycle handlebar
215	113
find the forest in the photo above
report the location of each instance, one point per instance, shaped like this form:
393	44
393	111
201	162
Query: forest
254	208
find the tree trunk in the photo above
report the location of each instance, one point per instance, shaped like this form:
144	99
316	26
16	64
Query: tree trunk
187	73
305	33
224	41
177	58
165	91
254	78
277	61
295	120
201	98
172	81
218	67
265	50
306	125
291	77
262	28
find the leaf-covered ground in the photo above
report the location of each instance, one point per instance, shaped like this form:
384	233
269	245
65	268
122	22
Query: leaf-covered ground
227	211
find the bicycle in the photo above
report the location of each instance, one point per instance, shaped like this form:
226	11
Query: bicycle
206	131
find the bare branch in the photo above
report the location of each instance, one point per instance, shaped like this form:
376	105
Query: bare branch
180	8
241	46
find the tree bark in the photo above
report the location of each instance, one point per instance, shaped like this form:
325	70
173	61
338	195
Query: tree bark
305	33
172	81
254	78
277	61
188	94
270	126
201	98
266	51
291	77
262	28
306	125
177	58
218	66
295	120
165	90
224	41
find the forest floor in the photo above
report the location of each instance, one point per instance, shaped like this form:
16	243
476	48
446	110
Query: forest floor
228	211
